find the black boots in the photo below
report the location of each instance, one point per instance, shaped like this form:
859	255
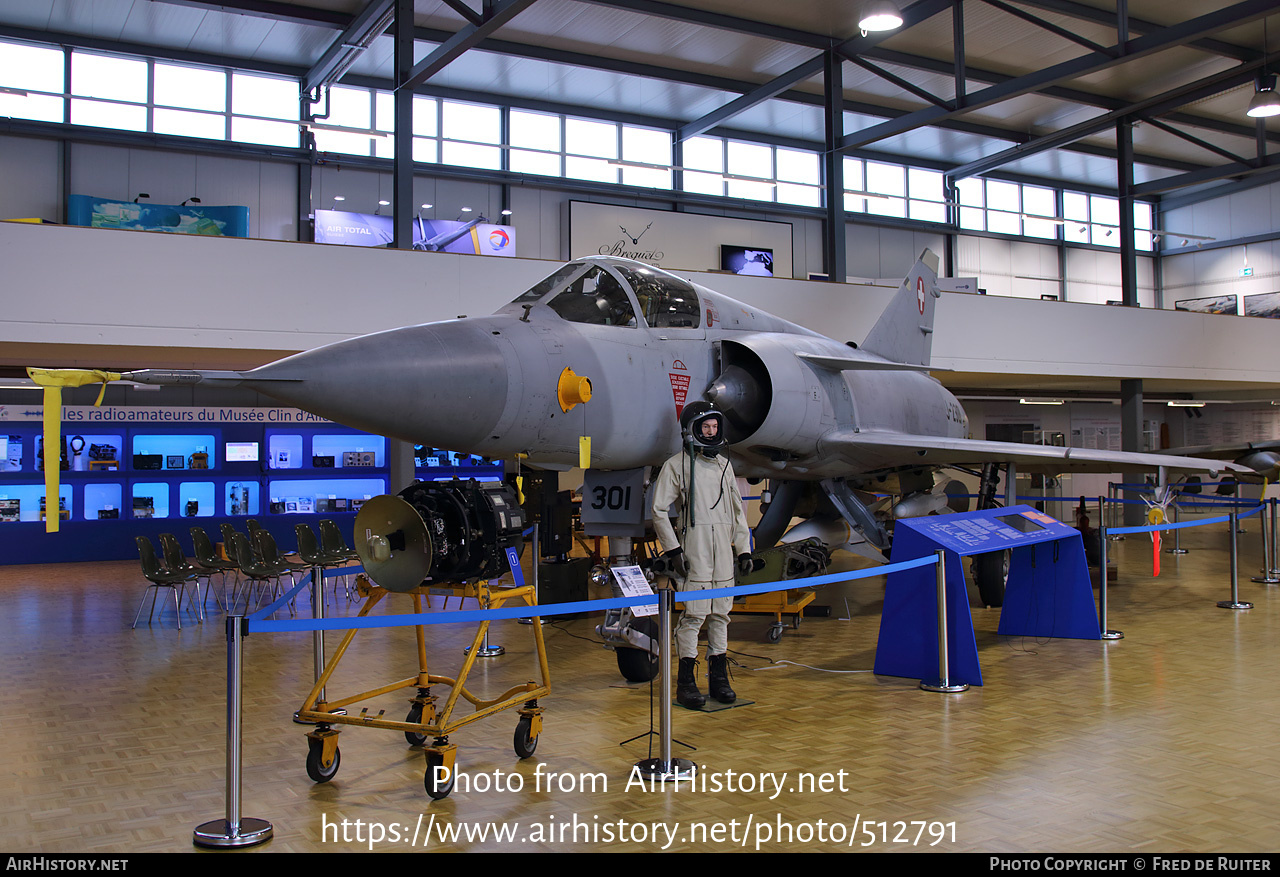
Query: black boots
687	693
718	679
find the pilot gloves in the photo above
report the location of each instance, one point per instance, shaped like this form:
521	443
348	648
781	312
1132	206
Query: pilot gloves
748	564
676	566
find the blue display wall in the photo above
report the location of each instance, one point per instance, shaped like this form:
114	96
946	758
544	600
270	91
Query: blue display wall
122	479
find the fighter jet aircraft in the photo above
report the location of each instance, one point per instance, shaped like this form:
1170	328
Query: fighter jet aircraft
848	433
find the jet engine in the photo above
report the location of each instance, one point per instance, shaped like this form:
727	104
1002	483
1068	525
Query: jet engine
452	531
766	394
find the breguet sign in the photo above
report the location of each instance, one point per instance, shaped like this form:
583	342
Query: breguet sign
671	240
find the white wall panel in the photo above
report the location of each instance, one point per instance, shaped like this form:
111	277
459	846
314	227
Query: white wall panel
100	170
1206	273
192	292
170	177
277	213
29	173
876	252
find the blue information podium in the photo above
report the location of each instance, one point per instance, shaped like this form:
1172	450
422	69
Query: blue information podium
1048	593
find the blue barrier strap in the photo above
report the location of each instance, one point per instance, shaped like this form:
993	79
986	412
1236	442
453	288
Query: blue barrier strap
279	604
306	580
815	581
257	623
1152	527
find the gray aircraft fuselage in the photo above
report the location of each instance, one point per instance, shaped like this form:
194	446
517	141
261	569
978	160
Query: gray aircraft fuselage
488	385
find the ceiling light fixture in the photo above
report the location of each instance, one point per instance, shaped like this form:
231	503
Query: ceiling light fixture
878	16
1030	401
1265	101
1184	403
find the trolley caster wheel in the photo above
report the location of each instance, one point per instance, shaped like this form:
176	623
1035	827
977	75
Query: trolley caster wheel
775	633
525	743
415	716
437	789
318	772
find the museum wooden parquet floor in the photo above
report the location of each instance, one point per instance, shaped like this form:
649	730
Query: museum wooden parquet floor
1166	740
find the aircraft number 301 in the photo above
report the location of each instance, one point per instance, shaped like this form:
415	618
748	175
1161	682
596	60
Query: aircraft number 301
615	498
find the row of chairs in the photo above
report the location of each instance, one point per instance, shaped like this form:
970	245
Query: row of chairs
254	558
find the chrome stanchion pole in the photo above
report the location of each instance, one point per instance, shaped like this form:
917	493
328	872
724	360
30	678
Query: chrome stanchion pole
664	768
234	830
1114	507
1275	561
317	642
486	650
1234	602
1177	537
1103	560
1268	531
536	562
943	683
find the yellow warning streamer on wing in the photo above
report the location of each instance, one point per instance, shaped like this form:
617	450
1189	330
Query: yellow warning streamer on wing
53	380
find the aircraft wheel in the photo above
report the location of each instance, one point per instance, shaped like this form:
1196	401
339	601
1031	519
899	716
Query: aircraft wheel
415	716
318	772
525	744
989	573
436	789
638	665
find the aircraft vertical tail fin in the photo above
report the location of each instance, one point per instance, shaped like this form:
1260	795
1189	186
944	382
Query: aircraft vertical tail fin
904	332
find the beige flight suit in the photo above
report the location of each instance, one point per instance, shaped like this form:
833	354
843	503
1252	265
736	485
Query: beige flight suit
711	546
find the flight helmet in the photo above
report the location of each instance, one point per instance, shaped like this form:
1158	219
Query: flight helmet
696	423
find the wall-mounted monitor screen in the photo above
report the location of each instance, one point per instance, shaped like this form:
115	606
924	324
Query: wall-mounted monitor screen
757	261
242	452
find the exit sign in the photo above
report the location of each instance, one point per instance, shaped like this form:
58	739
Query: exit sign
1246	272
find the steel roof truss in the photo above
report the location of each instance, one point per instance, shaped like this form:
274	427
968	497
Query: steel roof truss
1155	106
1052	28
758	95
1169	129
1170	37
465	11
470	36
349	45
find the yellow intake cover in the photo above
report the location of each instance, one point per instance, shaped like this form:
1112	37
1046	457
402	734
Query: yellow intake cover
572	389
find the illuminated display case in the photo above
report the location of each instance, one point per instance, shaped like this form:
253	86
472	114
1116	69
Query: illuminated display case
120	480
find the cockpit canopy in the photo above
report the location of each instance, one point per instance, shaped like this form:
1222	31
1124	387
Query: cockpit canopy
608	292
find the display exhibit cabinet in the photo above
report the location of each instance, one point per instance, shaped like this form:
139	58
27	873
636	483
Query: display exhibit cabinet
129	472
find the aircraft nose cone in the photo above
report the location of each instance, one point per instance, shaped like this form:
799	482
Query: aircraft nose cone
438	384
